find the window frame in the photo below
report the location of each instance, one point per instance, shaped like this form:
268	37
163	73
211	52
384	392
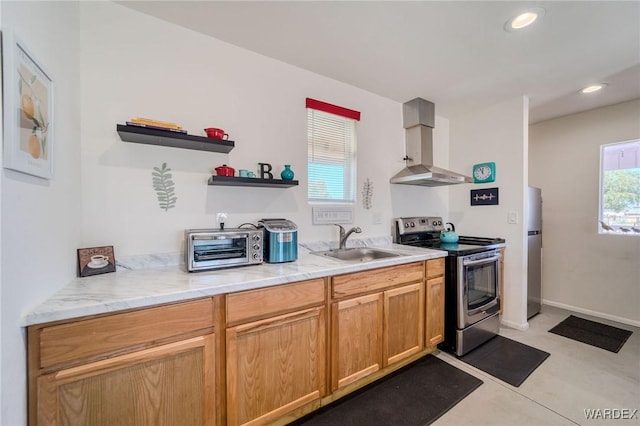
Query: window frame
348	177
601	216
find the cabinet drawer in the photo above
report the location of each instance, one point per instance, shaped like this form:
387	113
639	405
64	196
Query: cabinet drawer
435	267
255	304
376	279
93	337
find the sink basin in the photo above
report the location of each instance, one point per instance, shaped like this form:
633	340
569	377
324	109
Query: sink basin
356	254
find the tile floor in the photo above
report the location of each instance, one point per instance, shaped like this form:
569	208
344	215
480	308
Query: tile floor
575	377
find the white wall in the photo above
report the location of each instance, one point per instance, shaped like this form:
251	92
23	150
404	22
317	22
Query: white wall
583	270
497	133
1	162
136	65
40	219
110	64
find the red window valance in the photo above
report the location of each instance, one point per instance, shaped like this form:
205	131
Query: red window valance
333	109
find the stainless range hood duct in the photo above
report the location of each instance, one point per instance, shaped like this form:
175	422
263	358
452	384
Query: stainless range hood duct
418	116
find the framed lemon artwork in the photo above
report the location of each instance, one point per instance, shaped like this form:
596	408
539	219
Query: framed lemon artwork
28	110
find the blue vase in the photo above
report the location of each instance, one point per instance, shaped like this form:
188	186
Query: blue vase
287	173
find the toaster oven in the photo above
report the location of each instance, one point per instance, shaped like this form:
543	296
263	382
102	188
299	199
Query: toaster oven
207	249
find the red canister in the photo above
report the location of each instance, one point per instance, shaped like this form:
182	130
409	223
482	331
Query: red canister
225	170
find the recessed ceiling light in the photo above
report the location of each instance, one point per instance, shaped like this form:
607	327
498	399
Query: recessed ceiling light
593	88
524	19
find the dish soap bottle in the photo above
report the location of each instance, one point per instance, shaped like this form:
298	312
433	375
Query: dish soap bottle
287	173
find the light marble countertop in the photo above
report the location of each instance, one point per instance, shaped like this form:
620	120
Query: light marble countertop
139	288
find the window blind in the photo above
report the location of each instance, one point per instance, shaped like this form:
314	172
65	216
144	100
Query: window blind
331	156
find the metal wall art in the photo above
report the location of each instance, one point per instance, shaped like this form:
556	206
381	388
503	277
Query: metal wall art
367	194
164	187
484	197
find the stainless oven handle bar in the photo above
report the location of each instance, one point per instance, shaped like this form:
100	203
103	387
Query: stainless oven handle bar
481	261
218	237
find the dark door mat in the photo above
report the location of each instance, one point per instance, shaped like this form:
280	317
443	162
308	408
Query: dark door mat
415	395
506	359
592	333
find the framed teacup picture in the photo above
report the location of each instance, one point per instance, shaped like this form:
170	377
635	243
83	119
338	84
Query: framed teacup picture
96	260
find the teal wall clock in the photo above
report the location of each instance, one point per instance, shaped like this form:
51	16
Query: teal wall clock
484	172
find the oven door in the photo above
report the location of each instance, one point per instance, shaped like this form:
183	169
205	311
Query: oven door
219	250
478	287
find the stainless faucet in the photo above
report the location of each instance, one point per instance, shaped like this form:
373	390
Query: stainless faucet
345	234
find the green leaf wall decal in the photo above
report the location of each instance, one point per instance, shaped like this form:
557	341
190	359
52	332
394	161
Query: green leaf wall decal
164	187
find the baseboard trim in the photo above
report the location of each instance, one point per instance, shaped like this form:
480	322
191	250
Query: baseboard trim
517	326
592	313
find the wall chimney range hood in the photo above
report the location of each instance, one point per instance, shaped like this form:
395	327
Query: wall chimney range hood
418	116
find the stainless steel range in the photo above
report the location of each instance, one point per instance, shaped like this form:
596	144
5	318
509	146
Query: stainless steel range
472	281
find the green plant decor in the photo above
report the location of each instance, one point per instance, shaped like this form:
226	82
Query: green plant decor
164	187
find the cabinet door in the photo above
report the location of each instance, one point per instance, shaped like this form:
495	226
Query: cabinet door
167	385
435	311
356	339
275	366
403	322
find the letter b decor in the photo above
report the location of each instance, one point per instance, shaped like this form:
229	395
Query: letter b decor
265	171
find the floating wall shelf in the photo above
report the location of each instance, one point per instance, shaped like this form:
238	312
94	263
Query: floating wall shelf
137	134
257	182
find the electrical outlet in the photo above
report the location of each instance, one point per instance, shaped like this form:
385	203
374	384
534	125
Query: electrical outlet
377	218
221	217
512	217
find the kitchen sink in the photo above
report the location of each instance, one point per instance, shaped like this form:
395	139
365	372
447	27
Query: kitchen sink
356	254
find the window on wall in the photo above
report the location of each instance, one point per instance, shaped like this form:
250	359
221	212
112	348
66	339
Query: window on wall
331	152
620	188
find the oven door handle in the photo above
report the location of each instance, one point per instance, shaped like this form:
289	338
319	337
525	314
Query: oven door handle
227	236
481	261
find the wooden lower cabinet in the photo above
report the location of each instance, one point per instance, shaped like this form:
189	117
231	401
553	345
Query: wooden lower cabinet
153	366
403	322
372	331
166	385
277	363
356	336
264	356
275	366
435	312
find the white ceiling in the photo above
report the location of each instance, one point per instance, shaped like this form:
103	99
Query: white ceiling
453	53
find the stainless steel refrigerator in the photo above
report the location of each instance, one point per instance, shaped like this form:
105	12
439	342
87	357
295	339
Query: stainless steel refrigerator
534	239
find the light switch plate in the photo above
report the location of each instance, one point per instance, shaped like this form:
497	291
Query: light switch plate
512	218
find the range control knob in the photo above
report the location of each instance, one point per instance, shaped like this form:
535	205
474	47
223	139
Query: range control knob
413	224
439	223
255	237
406	225
256	256
434	223
256	246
